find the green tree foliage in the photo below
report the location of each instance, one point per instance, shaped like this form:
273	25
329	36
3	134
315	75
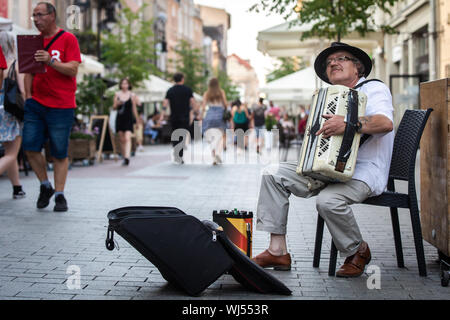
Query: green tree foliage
190	61
287	65
227	85
129	48
87	41
91	96
331	19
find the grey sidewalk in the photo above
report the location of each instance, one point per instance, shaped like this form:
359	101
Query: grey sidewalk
38	247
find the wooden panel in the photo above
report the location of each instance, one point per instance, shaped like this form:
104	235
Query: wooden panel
434	165
448	167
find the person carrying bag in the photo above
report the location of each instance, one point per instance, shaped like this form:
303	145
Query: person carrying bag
13	99
10	128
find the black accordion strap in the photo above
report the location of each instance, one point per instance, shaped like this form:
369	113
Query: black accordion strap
364	82
350	131
350	128
364	138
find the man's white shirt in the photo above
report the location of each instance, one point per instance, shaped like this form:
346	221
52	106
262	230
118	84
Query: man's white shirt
374	156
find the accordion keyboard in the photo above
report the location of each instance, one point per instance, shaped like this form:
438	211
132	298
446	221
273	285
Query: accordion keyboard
325	142
319	155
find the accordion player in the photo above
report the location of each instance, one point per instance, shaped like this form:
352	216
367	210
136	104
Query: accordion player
332	159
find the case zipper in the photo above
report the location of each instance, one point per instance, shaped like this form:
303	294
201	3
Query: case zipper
214	238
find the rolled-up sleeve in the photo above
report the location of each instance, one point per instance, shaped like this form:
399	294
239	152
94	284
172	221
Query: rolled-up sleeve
380	101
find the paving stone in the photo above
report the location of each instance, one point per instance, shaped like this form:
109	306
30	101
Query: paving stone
37	247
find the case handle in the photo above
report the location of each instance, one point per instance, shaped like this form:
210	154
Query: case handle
109	242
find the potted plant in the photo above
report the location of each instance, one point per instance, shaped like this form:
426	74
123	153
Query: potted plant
271	122
82	145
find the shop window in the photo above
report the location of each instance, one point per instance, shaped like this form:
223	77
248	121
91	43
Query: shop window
421	50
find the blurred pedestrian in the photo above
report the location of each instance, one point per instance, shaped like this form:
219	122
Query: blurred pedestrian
288	128
302	121
125	104
274	111
180	100
10	128
195	118
216	101
139	126
50	104
259	120
287	124
302	112
153	127
240	118
302	126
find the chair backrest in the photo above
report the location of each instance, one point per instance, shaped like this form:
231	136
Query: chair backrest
406	143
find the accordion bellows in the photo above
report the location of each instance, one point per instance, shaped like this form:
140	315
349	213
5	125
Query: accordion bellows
318	157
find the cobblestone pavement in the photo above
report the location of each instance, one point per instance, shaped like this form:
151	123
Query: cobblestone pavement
38	248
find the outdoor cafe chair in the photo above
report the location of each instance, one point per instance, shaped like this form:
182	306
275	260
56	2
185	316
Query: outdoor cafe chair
406	144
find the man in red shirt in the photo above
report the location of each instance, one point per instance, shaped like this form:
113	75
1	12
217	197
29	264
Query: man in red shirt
50	105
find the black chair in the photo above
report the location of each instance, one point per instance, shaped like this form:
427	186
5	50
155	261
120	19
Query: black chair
406	144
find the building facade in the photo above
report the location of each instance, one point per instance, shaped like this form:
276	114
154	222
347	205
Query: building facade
416	53
413	50
183	23
244	77
216	23
443	39
19	11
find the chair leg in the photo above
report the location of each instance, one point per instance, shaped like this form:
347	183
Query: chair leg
418	242
333	260
286	151
397	237
318	243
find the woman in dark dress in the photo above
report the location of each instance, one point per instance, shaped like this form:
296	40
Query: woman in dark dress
125	104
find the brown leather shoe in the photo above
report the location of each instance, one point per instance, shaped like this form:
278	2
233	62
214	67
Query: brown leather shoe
268	260
354	265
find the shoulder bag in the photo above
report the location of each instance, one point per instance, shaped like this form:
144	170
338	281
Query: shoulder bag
13	102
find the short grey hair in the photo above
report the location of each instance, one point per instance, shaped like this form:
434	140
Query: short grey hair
360	67
50	8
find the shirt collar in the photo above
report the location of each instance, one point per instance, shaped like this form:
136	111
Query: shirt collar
360	80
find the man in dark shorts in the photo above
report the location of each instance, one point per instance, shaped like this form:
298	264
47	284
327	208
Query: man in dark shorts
181	100
50	105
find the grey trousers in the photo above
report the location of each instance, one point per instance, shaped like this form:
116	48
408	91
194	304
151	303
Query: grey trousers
333	202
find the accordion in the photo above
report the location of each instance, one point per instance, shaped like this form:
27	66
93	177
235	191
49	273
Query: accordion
332	159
